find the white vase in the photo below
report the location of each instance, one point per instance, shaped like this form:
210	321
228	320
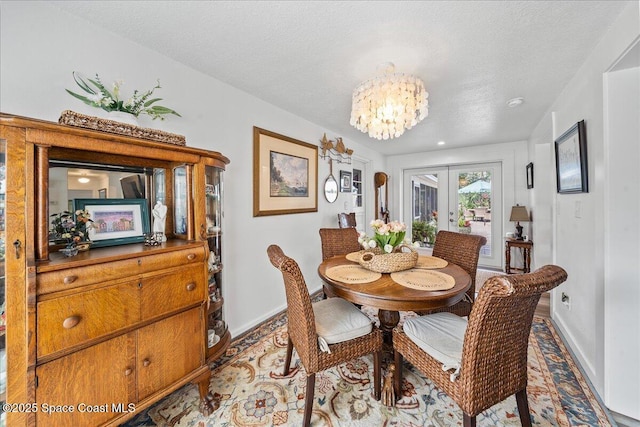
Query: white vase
122	117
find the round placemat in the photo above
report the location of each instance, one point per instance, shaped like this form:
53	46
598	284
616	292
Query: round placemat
431	262
354	256
424	280
352	274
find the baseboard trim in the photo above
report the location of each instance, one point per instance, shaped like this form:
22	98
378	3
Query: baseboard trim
624	421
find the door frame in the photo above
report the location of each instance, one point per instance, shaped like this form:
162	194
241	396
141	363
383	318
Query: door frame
449	198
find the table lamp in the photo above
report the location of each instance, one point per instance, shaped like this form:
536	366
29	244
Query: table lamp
519	213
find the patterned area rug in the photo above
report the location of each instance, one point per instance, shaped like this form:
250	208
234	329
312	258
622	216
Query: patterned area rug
253	392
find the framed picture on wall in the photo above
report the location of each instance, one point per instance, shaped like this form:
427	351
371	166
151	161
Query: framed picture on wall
285	174
345	182
571	160
530	175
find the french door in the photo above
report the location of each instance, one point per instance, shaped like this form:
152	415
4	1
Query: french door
461	198
358	190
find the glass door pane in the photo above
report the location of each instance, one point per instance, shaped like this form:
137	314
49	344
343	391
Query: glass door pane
474	191
425	207
359	195
457	199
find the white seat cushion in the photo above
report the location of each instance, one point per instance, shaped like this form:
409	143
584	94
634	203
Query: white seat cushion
338	320
440	335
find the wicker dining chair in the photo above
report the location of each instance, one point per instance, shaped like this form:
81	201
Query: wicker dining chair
481	361
337	241
336	325
462	250
347	220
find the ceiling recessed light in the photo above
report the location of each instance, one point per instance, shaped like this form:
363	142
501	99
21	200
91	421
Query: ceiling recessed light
514	102
441	143
83	180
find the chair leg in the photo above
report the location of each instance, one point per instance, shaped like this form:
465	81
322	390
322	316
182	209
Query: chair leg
523	408
397	381
377	356
468	421
308	401
287	361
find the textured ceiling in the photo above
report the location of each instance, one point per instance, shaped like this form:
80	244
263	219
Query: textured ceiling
306	57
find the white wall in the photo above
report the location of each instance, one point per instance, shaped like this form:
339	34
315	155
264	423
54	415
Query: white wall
622	241
578	243
36	67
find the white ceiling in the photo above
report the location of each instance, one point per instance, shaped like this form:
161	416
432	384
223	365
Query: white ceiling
306	57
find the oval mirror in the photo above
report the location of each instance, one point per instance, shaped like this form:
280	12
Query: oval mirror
331	189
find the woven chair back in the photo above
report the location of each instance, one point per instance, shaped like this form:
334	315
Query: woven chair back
338	241
301	321
494	355
462	250
347	220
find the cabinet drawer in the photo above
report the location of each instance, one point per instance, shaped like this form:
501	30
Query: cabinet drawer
71	320
168	292
69	278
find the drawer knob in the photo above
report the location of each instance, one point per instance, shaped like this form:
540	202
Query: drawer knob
146	362
191	257
191	286
70	322
70	279
128	372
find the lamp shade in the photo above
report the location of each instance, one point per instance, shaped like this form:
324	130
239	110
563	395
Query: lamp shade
519	213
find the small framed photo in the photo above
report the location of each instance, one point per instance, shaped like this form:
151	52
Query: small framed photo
116	221
571	160
530	176
345	182
102	193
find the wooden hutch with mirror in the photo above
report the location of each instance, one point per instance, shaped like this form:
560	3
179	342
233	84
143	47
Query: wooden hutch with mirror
119	326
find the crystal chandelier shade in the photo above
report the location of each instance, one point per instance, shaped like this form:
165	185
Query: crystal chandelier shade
387	105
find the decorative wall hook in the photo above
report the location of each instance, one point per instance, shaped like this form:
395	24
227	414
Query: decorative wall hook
335	150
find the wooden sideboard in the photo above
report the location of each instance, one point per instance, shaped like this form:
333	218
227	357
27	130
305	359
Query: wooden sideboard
104	334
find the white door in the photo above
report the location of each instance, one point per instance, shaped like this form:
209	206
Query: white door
358	190
462	198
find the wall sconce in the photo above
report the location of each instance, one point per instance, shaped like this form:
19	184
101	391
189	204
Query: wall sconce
335	150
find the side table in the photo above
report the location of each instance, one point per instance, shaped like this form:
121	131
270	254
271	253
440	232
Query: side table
526	246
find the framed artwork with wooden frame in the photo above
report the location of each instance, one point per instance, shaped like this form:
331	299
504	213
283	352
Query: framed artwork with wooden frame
285	174
116	221
571	160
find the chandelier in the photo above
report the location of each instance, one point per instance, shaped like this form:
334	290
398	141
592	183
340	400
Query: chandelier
387	105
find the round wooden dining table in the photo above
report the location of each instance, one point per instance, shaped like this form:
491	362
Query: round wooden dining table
390	297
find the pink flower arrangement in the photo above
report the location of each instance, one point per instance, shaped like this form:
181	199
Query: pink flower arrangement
387	235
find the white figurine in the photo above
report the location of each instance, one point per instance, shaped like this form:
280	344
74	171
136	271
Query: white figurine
159	215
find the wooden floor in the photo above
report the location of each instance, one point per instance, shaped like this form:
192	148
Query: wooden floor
543	308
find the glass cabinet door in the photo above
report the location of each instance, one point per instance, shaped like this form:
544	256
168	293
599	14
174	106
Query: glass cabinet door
180	200
217	327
